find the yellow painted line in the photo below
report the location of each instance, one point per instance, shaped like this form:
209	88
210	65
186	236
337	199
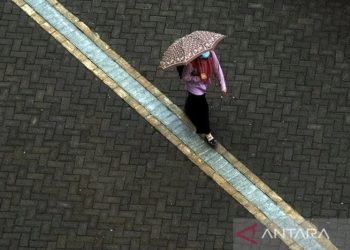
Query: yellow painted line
163	129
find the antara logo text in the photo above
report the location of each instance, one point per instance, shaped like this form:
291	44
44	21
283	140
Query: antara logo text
248	234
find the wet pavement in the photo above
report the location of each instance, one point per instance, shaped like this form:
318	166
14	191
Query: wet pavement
81	170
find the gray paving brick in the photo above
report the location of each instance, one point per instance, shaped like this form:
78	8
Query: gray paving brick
287	63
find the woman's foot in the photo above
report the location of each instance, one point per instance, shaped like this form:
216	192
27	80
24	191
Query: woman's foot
209	138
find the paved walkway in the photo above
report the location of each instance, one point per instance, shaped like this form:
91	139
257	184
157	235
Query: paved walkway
168	119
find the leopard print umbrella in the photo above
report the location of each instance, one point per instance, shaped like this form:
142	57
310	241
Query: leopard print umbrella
189	47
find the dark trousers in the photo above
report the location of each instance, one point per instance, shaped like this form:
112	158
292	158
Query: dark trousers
196	108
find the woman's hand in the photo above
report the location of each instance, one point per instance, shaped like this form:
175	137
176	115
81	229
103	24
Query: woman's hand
194	73
223	92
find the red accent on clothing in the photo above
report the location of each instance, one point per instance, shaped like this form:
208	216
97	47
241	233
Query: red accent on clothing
204	67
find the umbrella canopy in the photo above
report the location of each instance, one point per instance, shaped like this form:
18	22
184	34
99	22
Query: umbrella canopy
186	49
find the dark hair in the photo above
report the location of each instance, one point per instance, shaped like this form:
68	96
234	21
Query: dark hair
180	69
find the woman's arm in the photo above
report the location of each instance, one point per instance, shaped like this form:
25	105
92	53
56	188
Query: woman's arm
218	72
187	74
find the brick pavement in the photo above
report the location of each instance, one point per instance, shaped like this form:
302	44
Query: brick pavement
66	145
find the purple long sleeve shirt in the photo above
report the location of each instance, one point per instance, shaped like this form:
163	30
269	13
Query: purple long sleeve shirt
195	85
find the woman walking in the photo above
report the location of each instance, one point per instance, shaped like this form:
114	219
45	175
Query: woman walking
197	77
196	61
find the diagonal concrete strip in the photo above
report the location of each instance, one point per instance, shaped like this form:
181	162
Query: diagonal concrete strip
170	121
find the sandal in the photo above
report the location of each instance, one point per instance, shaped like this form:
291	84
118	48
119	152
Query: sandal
212	142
